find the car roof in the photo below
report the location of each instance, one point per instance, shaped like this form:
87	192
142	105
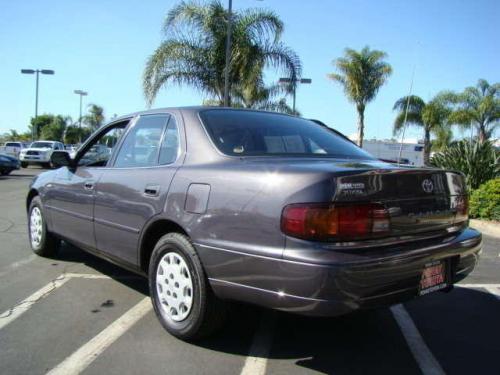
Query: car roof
192	109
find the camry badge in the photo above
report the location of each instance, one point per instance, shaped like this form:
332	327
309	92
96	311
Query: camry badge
427	185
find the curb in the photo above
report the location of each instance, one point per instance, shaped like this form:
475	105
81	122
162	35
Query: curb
491	228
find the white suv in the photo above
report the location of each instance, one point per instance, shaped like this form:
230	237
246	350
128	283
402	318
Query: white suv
39	153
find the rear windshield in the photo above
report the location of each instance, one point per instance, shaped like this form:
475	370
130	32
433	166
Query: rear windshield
249	133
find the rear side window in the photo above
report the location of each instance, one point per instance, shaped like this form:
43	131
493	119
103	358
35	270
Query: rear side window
249	133
169	149
13	144
141	145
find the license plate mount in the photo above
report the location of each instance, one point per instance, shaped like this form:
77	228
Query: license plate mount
433	277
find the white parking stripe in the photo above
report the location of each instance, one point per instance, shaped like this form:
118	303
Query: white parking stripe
425	359
22	262
256	362
494	290
87	276
478	285
85	355
20	308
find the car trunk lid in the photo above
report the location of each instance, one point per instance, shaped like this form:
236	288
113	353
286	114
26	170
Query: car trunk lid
417	200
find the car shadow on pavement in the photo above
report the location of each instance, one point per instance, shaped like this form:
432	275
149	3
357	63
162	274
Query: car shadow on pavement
234	337
69	253
460	328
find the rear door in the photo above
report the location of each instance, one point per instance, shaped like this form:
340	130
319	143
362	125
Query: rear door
134	189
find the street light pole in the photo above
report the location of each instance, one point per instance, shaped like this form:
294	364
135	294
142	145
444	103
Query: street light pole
228	52
36	94
37	72
82	94
293	83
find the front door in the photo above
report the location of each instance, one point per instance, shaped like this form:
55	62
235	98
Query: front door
71	200
71	204
134	188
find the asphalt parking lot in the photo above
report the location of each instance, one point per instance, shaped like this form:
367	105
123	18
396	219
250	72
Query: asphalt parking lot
78	313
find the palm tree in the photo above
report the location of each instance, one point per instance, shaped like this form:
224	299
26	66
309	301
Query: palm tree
443	138
193	52
431	116
95	117
259	96
477	107
361	74
13	135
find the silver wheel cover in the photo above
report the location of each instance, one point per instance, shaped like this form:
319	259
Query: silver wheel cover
174	286
36	227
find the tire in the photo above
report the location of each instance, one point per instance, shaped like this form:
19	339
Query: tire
6	172
206	312
24	164
47	165
42	242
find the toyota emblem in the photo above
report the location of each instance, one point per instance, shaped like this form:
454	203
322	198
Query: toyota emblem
427	185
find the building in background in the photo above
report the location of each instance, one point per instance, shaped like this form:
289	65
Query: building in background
388	149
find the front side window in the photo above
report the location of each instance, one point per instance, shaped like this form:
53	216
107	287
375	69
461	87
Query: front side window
252	133
100	150
141	145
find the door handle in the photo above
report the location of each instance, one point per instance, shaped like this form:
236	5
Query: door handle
152	190
88	185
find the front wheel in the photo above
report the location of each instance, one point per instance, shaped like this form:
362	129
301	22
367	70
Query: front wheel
6	172
42	242
24	164
182	298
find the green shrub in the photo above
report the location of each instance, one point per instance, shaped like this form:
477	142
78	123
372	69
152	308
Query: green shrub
478	161
485	201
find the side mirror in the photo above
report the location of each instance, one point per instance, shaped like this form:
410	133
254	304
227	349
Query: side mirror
61	159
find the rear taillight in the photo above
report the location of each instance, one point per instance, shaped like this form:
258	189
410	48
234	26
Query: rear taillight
314	221
462	208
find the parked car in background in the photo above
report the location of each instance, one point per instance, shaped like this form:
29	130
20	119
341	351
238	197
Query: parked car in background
39	153
8	164
13	148
218	204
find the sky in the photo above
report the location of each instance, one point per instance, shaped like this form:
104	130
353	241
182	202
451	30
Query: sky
102	46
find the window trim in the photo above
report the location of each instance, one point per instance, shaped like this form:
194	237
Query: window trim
132	125
90	141
163	138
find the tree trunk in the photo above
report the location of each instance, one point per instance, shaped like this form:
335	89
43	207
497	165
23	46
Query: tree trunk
361	124
482	136
427	146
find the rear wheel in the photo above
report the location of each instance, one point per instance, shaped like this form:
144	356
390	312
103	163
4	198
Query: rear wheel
5	172
24	164
181	295
42	242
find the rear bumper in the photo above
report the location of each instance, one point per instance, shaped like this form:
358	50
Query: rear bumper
312	288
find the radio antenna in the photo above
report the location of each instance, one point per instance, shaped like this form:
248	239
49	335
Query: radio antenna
406	115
